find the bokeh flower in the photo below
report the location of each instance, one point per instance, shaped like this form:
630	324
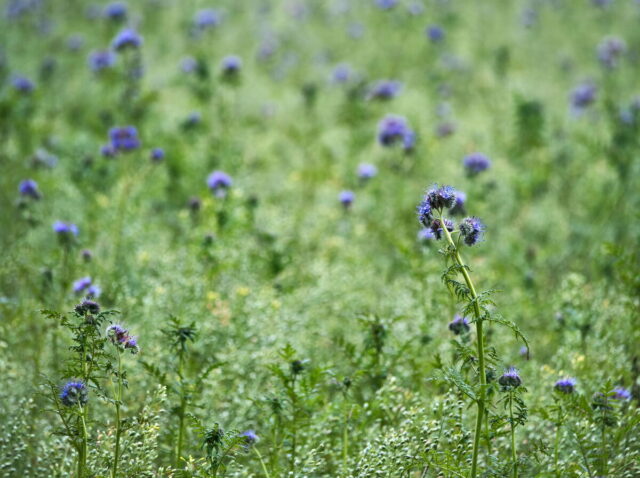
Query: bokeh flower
475	163
459	325
124	138
566	385
219	182
126	38
29	188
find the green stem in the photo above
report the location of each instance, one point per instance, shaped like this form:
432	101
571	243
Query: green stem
118	400
181	411
345	444
557	442
480	348
264	467
82	454
514	456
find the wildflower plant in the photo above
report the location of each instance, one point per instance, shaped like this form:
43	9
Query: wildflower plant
438	200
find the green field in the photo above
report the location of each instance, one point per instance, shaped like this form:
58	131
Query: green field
239	187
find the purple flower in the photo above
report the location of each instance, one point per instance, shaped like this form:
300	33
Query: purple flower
409	141
219	182
94	291
435	33
393	129
207	18
445	129
81	284
189	64
29	188
107	151
126	38
386	4
250	437
73	393
510	379
120	337
87	307
124	138
620	393
367	171
65	229
87	255
385	90
23	84
524	352
231	65
459	325
436	227
610	50
341	73
475	163
157	155
566	385
425	212
441	197
116	11
471	230
582	96
346	198
425	235
193	119
100	60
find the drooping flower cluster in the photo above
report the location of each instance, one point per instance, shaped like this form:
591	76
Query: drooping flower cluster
471	230
73	393
510	379
120	337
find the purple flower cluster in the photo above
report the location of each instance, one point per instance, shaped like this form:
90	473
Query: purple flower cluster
120	337
219	182
23	84
393	129
124	138
471	230
510	379
29	188
476	163
101	60
157	155
86	285
116	11
367	171
65	229
566	385
346	198
207	18
125	39
73	393
459	325
610	50
231	65
582	96
341	73
384	90
435	33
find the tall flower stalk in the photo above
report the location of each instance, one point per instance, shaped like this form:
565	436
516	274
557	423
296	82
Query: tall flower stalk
432	214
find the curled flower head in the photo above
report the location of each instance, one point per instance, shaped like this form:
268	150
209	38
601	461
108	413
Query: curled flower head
441	197
219	182
435	33
475	163
23	84
101	60
394	129
65	229
124	138
207	18
231	65
459	325
471	230
81	284
524	352
87	307
620	393
510	379
120	337
425	212
367	171
346	198
250	437
385	90
157	155
610	50
582	96
29	188
125	39
566	385
73	393
436	227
